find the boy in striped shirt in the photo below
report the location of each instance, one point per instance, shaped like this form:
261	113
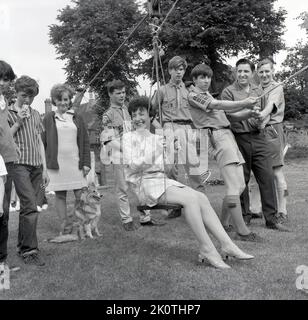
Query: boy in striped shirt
27	174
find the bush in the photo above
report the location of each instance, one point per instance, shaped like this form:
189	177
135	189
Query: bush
296	103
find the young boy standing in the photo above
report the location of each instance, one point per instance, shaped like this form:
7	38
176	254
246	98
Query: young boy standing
27	174
8	153
177	123
118	121
208	113
253	145
271	118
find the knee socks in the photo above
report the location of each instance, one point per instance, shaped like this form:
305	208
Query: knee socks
282	194
232	205
225	215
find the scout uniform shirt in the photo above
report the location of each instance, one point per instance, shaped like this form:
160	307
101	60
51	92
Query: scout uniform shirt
277	97
174	102
116	121
204	117
235	93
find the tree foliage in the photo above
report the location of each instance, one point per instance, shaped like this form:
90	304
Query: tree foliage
86	36
210	31
296	90
201	31
304	17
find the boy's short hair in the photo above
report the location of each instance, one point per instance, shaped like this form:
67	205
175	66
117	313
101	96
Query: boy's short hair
27	85
201	69
266	61
246	61
176	62
57	91
139	102
6	71
115	84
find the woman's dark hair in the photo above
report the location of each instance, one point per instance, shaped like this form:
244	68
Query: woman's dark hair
246	61
27	85
201	70
6	71
139	102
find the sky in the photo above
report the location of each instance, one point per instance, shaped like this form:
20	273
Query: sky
25	42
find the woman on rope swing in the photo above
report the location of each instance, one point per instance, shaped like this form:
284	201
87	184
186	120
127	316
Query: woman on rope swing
143	156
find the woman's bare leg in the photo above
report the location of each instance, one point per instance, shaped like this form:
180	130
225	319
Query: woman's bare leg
61	209
188	198
213	224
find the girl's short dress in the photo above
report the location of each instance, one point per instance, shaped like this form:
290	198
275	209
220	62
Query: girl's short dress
69	176
143	159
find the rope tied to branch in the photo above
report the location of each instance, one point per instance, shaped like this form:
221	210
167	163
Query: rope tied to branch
157	29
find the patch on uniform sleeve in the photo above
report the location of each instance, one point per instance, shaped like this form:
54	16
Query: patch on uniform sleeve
202	99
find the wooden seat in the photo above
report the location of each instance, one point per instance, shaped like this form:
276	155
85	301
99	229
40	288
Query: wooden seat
163	206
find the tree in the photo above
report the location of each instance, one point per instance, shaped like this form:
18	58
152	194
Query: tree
296	90
304	17
209	31
202	31
87	35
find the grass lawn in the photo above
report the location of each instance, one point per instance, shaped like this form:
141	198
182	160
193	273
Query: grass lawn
161	263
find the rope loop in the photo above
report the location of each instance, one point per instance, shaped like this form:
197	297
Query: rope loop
155	29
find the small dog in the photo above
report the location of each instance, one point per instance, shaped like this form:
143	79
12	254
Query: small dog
88	212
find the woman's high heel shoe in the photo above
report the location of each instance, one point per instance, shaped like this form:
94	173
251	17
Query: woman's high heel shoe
238	254
216	262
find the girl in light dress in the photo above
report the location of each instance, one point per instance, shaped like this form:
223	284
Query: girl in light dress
67	148
143	155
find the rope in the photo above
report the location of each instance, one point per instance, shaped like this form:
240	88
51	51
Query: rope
151	87
168	14
158	28
157	63
115	52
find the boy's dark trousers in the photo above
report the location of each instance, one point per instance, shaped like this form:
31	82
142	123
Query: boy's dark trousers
256	153
26	180
41	194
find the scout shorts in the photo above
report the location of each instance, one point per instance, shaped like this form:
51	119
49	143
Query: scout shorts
225	147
